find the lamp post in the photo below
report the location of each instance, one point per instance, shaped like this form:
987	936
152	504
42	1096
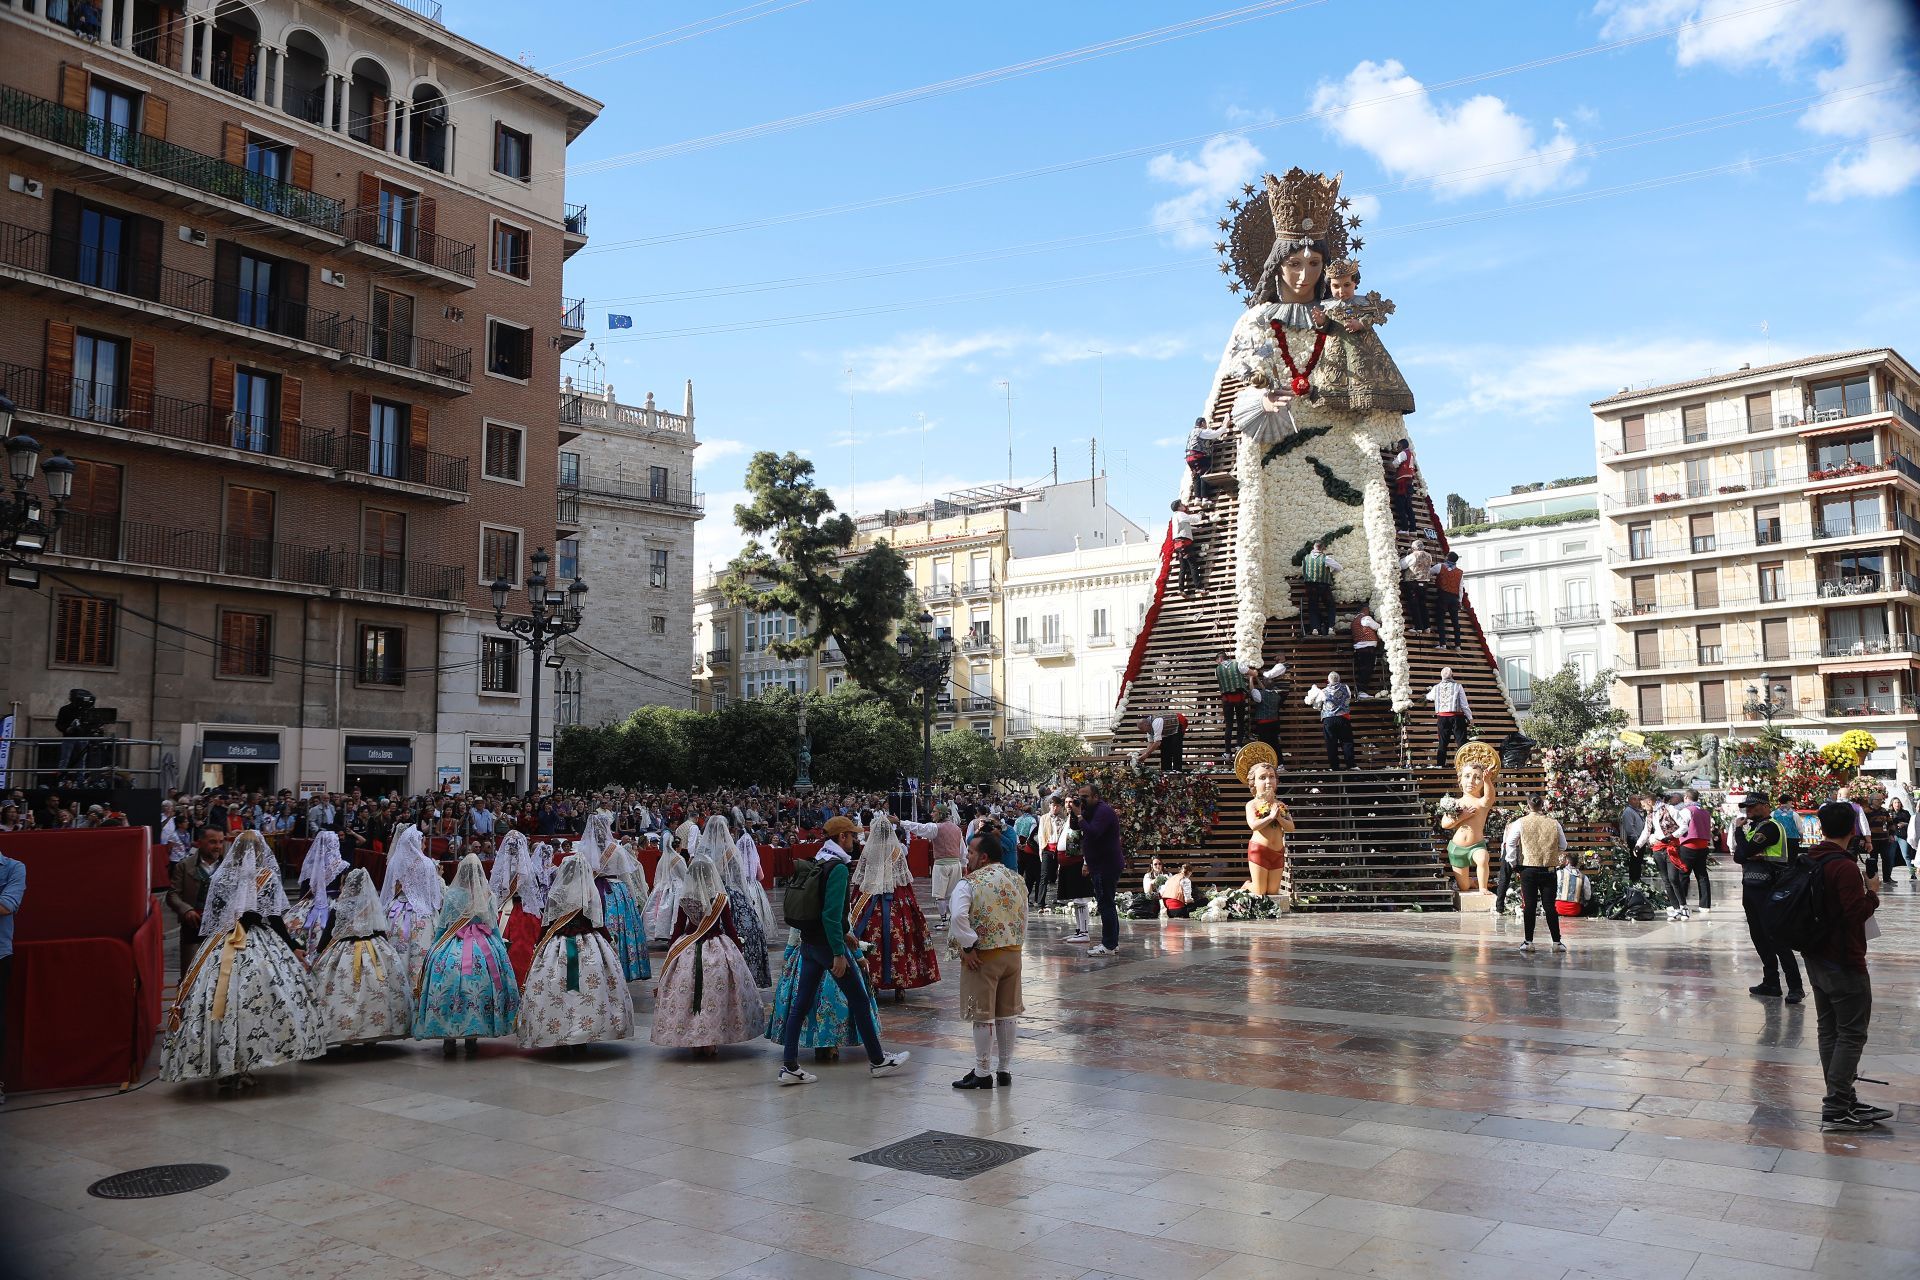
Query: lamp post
24	522
925	659
1764	701
551	615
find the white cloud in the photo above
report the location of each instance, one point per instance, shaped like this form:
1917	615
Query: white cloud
917	359
714	450
1475	145
1558	381
1844	46
1222	166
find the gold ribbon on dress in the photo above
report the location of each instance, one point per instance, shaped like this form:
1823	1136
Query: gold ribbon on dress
235	940
708	928
363	950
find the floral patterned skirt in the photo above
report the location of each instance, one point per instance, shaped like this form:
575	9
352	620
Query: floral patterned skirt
467	989
829	1026
594	1004
753	936
904	959
625	927
731	1010
268	1014
364	991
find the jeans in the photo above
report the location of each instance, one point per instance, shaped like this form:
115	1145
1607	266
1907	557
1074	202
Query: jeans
1696	868
1192	578
1049	871
1843	1002
1772	959
1447	618
1198	465
1104	886
1536	889
1403	509
1448	728
1338	733
1363	659
1319	608
6	974
1234	712
816	962
1885	859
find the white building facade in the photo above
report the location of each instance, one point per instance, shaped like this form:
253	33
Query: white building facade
1536	577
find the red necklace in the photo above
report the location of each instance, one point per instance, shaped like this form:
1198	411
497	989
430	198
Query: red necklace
1300	377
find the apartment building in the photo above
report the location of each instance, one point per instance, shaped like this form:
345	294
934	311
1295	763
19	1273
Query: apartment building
628	507
1534	570
1072	618
283	279
1762	532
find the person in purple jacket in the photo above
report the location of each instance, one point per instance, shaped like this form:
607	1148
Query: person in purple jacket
1100	844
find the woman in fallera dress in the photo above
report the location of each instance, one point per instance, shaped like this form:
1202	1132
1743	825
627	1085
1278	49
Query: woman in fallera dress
467	989
411	893
321	868
887	914
669	879
707	996
245	1002
519	884
751	910
622	886
360	981
576	993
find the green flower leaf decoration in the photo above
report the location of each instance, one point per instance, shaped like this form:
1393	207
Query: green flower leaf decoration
1337	489
1326	539
1307	435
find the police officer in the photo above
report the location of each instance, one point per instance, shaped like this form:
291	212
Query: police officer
1762	849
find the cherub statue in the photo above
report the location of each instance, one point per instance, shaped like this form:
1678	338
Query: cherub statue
1479	766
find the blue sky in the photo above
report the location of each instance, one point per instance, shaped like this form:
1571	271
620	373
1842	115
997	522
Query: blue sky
1521	220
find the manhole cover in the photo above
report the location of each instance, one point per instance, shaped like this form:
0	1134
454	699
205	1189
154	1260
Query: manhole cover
159	1180
945	1155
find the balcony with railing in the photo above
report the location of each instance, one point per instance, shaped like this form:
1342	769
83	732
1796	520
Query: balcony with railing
665	495
399	241
719	657
1739	424
574	218
1019	727
403	355
976	640
977	704
1855	526
1871	704
939	591
363	457
1048	648
831	656
573	313
1574	615
1849	586
1868	646
1519	620
112	540
974	588
153	161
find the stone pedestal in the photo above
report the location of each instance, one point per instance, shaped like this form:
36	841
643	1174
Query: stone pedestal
1473	901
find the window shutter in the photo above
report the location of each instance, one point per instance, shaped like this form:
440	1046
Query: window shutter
1633	433
143	268
153	117
377	122
1760	411
63	256
291	392
233	144
226	280
220	399
300	169
526	353
59	364
427	214
242	54
1693	421
140	386
366	219
172	26
359	429
73	87
416	426
293	295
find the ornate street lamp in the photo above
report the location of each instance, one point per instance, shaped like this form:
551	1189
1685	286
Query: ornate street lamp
552	613
25	527
925	659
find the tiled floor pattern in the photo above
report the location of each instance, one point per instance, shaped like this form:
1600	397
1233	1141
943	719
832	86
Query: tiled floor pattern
1322	1097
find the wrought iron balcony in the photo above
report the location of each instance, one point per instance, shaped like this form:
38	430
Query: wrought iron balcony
677	497
1519	620
978	704
1574	614
359	454
376	228
575	219
1873	704
1868	646
719	657
112	144
405	350
974	587
573	313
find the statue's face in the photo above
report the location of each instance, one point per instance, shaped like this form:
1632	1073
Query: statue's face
1472	776
1343	287
1264	781
1299	274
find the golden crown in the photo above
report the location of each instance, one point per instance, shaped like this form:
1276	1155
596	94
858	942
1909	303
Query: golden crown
1305	205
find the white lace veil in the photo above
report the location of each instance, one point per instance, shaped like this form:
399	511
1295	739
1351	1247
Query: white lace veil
469	896
517	870
323	862
410	869
619	861
672	864
573	890
594	839
237	888
715	840
358	913
703	886
876	872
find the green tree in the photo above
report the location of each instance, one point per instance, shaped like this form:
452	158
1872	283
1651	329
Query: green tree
753	741
1034	760
963	758
801	561
860	740
1566	709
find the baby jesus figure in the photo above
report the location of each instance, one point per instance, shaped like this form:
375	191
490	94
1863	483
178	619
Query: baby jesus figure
1345	309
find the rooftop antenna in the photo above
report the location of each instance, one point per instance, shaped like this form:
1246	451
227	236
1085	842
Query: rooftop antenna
923	457
1009	388
1766	339
853	501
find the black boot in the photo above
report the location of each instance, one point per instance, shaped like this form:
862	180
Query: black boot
973	1080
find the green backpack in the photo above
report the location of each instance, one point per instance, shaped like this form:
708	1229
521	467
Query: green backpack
806	893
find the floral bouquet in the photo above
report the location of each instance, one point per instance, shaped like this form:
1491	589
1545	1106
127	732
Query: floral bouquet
1239	904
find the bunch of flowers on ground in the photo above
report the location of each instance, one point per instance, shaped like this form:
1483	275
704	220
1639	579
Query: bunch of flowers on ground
1239	904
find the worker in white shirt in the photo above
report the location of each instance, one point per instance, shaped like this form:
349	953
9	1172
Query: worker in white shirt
1451	715
1418	564
1200	445
1186	550
1366	648
1166	734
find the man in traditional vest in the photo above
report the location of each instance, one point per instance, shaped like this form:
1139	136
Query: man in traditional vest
1166	734
949	844
1232	678
1446	580
1418	564
1334	701
1403	487
1186	550
1200	443
1696	844
1761	849
1366	649
1316	572
989	912
1269	689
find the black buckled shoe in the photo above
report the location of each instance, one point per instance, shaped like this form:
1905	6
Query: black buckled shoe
973	1081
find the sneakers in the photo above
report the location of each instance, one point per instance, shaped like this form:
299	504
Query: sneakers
1872	1115
1845	1122
889	1064
1703	910
1525	946
794	1075
1763	990
1559	946
974	1080
1077	937
1101	951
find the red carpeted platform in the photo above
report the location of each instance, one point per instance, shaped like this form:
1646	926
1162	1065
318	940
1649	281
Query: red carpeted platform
88	962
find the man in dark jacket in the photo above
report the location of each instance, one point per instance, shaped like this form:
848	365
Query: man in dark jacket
1633	821
1837	969
1100	845
1761	848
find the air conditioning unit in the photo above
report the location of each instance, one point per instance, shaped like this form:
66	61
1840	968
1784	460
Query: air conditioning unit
30	187
338	279
193	235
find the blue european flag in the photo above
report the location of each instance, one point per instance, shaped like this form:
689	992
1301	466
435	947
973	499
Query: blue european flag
619	322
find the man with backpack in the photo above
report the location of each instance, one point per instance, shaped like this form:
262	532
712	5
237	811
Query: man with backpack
816	905
1763	850
1825	918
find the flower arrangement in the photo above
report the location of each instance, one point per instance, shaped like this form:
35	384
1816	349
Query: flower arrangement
1156	810
1867	789
1446	807
1239	904
1588	784
1861	743
1804	778
1749	760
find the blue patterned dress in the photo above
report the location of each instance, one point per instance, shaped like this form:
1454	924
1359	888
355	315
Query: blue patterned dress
625	928
467	988
828	1026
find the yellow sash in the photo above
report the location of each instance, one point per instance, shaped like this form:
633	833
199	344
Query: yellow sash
229	947
706	930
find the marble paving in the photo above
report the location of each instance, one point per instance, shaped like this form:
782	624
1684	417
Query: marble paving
1327	1096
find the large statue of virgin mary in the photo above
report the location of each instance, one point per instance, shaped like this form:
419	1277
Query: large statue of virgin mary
1318	399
